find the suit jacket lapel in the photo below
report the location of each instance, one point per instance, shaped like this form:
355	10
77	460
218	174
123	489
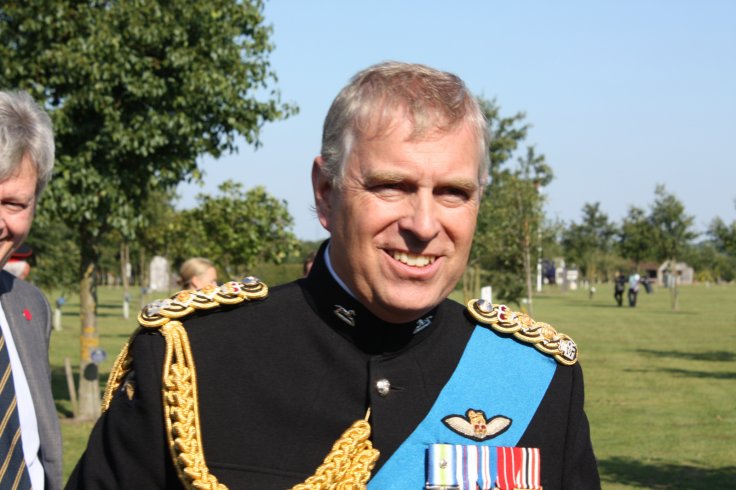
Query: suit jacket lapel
28	317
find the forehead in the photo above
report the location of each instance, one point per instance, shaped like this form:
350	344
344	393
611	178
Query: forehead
399	144
21	179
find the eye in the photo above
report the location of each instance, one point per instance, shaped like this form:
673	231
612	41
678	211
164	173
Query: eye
388	189
453	195
14	206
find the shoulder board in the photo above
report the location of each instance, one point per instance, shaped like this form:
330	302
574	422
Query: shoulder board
179	379
541	335
184	303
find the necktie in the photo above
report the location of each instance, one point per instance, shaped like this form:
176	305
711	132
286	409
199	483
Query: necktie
13	471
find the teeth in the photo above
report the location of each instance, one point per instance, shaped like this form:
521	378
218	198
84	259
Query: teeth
413	260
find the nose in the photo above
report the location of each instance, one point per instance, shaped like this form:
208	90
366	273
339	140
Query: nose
421	220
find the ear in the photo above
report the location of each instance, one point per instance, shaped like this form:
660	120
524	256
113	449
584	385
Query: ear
322	187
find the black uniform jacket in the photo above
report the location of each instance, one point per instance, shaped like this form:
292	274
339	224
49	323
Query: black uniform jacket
280	379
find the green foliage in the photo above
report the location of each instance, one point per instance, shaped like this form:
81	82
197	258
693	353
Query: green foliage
588	244
55	254
275	274
710	263
672	232
235	229
137	91
636	237
724	236
506	133
507	236
671	227
510	216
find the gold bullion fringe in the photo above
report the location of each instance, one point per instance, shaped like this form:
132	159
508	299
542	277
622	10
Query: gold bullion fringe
349	464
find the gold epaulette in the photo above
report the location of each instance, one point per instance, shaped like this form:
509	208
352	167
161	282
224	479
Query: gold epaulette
347	466
542	335
179	381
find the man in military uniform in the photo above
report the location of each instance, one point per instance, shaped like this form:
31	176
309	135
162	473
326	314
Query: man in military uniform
362	372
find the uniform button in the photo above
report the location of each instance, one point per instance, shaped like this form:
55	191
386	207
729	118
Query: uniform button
383	386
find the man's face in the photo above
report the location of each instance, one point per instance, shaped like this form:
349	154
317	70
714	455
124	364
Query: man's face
17	205
402	222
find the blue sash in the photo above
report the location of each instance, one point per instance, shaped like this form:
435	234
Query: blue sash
496	374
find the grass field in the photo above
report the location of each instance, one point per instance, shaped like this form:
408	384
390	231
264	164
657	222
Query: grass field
660	385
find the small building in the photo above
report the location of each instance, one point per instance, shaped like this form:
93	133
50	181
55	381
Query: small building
683	272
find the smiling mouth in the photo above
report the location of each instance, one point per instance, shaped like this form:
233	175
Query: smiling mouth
412	259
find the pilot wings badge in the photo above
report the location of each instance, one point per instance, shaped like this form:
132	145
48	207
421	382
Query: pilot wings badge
475	426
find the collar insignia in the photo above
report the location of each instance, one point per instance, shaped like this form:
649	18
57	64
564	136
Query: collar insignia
348	316
475	426
423	323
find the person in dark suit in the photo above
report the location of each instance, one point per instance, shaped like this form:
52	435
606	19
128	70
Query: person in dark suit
362	373
26	162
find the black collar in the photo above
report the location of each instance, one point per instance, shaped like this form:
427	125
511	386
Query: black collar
351	319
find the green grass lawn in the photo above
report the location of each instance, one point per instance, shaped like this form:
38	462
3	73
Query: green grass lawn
660	385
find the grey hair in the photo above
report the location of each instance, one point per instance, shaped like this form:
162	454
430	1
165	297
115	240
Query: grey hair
429	98
25	130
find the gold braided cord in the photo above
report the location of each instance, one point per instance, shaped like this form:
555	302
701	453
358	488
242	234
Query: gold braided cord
349	464
120	369
542	335
181	411
181	304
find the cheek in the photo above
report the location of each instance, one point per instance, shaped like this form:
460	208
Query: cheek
460	226
20	224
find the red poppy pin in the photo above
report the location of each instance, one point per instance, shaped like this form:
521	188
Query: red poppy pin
27	314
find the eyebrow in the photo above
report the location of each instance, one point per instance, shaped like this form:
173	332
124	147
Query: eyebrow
384	176
390	176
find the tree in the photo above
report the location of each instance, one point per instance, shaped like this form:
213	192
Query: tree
588	243
511	211
710	263
672	230
54	248
635	237
236	229
724	236
137	90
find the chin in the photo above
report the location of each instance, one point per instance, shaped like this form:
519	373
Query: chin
406	311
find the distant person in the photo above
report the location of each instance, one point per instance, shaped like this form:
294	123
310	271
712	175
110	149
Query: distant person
647	282
619	287
30	440
634	280
197	273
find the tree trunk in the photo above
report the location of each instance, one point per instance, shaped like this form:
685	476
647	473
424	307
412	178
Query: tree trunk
124	261
528	267
124	266
674	293
143	276
89	384
471	282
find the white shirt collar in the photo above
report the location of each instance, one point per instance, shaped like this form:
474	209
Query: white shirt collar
333	273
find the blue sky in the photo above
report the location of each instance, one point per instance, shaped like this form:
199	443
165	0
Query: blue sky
622	95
